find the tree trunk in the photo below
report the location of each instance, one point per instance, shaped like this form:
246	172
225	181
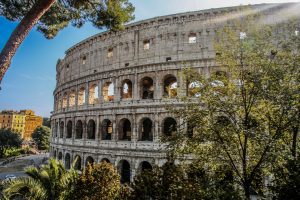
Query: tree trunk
20	32
247	190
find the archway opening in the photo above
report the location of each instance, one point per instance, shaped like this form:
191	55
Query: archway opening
145	166
60	156
81	96
170	86
194	89
69	129
169	126
105	160
65	100
147	88
93	94
89	160
61	129
67	161
91	130
77	165
108	91
126	90
107	129
146	131
79	129
72	98
125	171
125	130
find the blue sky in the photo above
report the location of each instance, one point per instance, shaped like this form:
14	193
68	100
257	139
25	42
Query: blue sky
30	81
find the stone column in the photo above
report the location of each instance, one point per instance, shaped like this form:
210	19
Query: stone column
65	130
157	86
135	87
100	91
116	90
134	129
87	94
97	130
84	131
76	97
156	128
73	129
115	131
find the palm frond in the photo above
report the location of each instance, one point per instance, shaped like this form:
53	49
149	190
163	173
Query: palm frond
24	187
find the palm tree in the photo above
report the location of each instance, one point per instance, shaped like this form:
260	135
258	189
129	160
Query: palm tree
50	182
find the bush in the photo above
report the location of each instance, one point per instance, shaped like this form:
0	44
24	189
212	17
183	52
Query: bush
11	151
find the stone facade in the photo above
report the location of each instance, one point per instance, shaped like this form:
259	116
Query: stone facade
112	89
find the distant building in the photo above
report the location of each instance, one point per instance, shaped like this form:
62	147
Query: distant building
13	120
31	123
23	122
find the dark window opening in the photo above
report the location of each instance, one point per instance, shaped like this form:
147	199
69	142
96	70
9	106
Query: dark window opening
69	129
125	130
107	130
147	88
91	129
169	126
79	130
147	130
125	171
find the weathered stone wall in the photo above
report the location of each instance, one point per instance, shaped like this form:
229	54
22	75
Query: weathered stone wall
156	48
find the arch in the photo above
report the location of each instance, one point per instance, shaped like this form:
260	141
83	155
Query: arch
81	96
145	166
126	90
146	130
108	91
125	172
89	160
67	161
105	160
169	126
61	129
72	98
190	129
147	88
170	86
56	129
69	129
194	89
91	129
77	165
60	156
65	100
54	154
107	129
79	130
93	94
125	130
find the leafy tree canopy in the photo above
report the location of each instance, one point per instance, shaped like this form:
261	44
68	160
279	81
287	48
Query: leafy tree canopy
41	136
50	182
9	138
111	14
243	114
98	181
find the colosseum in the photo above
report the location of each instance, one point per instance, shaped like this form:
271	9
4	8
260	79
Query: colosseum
112	88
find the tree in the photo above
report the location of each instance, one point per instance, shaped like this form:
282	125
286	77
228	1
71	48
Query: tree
9	139
98	181
183	181
286	184
51	16
50	182
243	115
47	122
41	136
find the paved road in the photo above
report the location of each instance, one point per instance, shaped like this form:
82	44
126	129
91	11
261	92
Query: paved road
17	174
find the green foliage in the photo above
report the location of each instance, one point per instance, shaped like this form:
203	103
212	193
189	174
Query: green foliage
9	141
47	122
41	136
11	151
98	181
50	182
243	117
111	14
287	181
186	181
